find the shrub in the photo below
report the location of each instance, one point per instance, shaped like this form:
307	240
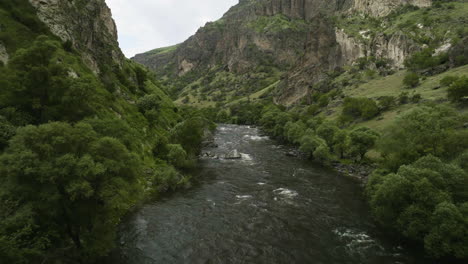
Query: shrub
448	80
425	202
359	108
361	140
424	130
386	102
458	90
310	143
411	79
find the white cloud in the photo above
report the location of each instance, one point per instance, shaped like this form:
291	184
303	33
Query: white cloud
147	24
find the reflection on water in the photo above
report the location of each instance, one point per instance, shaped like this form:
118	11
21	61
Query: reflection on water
263	208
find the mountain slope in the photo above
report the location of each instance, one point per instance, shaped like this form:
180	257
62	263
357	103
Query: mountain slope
85	134
261	42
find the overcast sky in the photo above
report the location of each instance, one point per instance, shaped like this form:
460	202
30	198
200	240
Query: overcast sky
144	25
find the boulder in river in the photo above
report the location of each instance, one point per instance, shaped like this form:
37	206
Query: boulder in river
233	155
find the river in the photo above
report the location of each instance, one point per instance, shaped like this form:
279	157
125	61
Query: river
264	208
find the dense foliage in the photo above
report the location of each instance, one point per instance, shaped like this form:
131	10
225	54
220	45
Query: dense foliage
421	189
79	150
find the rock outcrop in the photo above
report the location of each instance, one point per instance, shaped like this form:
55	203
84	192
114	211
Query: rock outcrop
380	8
88	25
396	48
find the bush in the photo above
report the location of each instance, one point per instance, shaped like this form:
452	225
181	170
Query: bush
310	143
361	140
448	80
359	108
7	131
176	155
458	90
425	60
426	130
386	102
425	202
411	79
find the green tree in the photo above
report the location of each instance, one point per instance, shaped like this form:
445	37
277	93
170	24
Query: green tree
69	186
361	140
359	108
449	233
189	134
7	131
411	79
448	80
294	131
420	202
422	131
327	131
458	90
340	143
176	155
310	143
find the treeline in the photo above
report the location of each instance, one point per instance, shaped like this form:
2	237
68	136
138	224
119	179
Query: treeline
78	151
420	187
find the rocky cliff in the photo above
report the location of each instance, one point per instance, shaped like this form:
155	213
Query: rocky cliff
380	8
298	37
88	25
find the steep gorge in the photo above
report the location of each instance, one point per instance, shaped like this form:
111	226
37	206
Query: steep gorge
297	37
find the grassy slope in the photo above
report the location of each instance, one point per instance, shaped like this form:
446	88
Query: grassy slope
392	86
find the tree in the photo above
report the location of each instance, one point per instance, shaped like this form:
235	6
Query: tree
458	90
425	202
449	233
294	131
70	187
386	102
7	131
359	108
340	142
425	130
176	155
411	79
189	134
448	80
327	131
310	143
361	140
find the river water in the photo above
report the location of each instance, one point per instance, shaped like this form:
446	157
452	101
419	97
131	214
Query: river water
264	208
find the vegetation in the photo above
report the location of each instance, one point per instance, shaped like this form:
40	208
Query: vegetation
77	150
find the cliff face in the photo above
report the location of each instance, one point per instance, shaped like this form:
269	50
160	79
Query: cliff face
396	48
88	25
380	8
297	36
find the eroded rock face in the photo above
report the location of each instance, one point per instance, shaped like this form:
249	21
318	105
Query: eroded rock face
3	54
380	8
87	24
396	48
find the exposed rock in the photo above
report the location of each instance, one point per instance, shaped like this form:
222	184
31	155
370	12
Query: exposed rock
87	24
233	155
396	48
3	54
185	67
443	49
380	8
351	49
